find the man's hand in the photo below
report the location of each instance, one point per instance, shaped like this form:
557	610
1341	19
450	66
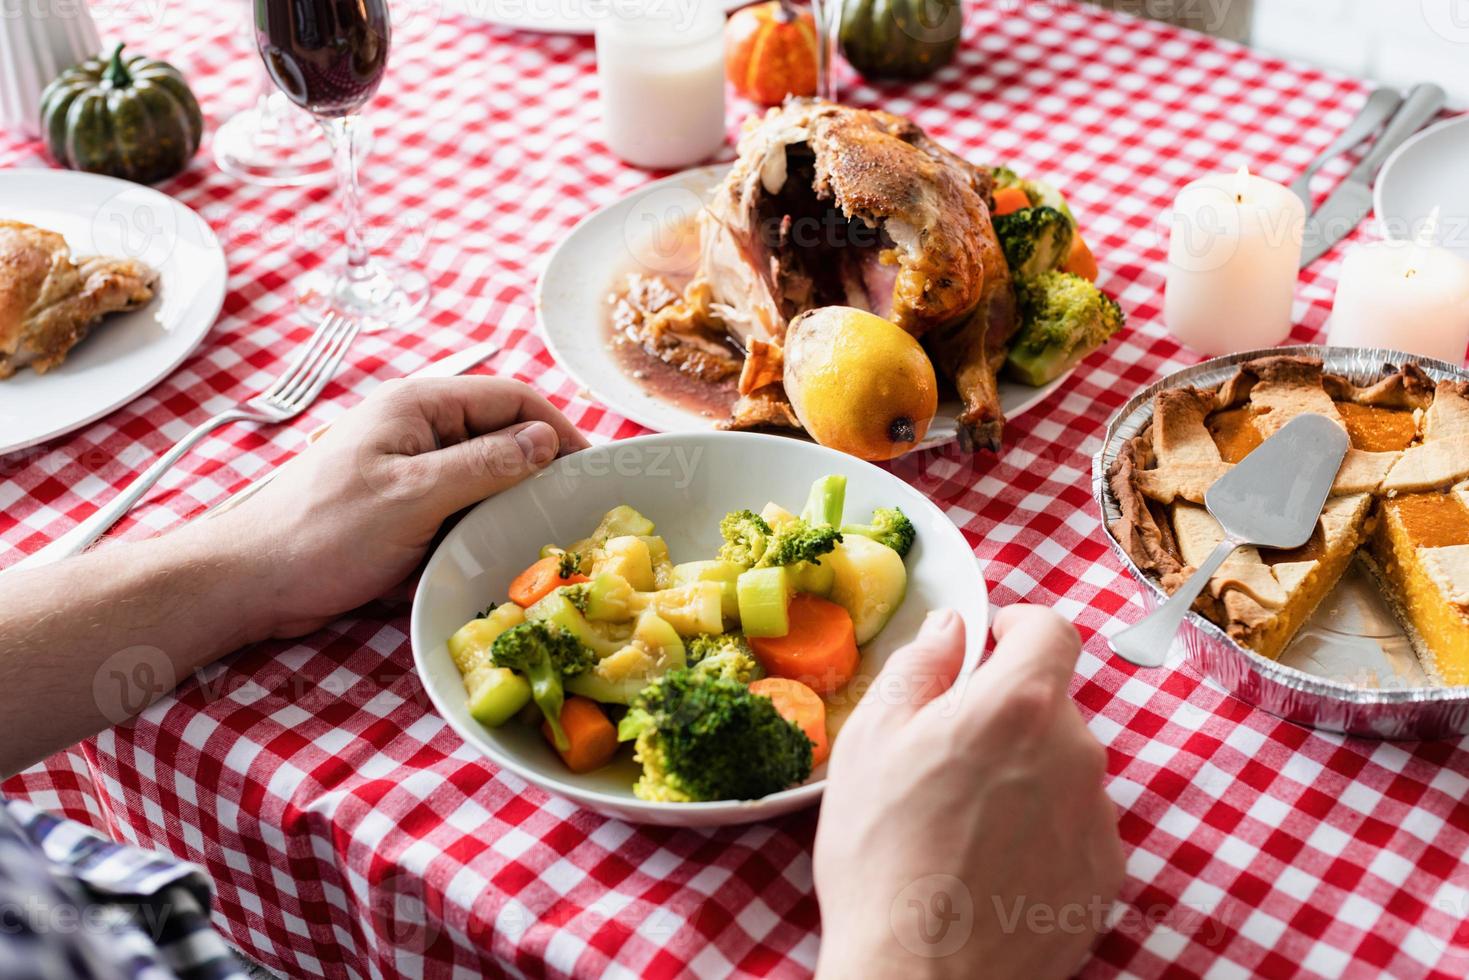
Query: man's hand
93	640
965	832
355	514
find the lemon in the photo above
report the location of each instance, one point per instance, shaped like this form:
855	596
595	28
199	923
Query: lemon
859	383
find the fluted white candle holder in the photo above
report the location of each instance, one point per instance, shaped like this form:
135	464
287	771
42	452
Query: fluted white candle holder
39	40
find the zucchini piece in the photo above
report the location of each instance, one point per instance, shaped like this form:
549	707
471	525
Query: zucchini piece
609	599
497	694
764	595
657	547
827	500
654	650
620	520
662	564
470	646
690	609
557	610
726	573
871	582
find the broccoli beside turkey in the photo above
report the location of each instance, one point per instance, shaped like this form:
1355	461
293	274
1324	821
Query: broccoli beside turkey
1038	192
1035	240
1063	318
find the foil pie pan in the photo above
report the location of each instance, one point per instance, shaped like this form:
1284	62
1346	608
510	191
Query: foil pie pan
1350	669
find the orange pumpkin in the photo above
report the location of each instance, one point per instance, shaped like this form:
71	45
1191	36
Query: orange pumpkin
770	52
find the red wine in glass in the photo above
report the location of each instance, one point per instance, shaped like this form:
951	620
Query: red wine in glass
328	57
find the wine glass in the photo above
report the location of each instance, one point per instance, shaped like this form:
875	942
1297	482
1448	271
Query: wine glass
828	17
328	57
271	142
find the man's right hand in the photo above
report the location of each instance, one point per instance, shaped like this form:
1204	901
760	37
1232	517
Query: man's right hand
966	832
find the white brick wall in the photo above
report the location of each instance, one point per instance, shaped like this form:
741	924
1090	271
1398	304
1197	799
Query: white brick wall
1398	42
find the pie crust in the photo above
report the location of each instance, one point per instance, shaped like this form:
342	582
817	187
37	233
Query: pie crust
1400	502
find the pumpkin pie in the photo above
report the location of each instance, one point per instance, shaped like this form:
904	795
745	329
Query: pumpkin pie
1400	503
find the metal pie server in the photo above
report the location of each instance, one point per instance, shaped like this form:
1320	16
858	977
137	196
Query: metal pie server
1345	207
1271	499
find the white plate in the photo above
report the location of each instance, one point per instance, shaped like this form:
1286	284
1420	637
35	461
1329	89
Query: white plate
545	16
127	353
1424	173
571	302
684	484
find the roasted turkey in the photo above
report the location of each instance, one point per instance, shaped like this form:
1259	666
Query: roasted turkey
834	205
50	302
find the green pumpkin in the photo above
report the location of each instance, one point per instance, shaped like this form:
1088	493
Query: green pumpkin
128	117
900	38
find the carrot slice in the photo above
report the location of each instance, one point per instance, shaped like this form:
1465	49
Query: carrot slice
1079	261
539	581
1008	199
820	649
800	706
591	739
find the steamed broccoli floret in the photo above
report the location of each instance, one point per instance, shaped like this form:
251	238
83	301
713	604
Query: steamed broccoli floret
568	564
545	655
578	595
890	526
797	542
1063	318
751	543
705	738
1035	240
726	655
746	536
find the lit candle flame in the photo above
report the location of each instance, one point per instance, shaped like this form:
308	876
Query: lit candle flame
1427	238
1241	182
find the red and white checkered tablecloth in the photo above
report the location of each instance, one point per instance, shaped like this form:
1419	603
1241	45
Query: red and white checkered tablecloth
349	832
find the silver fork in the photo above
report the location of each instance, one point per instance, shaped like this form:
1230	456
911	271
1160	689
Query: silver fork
292	393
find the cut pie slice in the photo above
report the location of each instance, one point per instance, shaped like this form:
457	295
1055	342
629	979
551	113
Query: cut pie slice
1401	500
1420	556
1267	594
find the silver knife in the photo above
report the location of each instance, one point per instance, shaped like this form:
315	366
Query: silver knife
445	367
1381	104
1346	206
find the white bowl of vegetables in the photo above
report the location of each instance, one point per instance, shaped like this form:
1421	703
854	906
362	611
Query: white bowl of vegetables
671	629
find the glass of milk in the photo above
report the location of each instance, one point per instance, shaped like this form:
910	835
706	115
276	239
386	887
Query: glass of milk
660	64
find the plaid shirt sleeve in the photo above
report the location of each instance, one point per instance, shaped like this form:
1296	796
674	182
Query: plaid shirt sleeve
76	905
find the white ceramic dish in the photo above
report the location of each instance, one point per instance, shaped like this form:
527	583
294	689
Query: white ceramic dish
1424	173
543	16
127	353
684	484
631	235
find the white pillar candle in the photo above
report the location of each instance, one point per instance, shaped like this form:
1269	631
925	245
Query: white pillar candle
1233	255
1408	296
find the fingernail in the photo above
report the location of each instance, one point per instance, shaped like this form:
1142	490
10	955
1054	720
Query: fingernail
937	622
537	442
